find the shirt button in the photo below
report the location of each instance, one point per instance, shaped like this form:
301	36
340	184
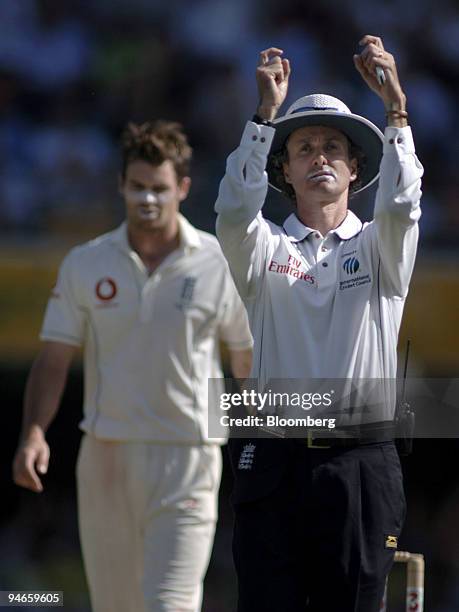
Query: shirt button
263	139
391	141
399	140
324	248
325	264
254	137
316	235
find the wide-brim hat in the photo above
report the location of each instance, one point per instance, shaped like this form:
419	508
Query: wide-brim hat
321	109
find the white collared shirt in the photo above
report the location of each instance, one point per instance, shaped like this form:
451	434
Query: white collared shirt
321	307
150	342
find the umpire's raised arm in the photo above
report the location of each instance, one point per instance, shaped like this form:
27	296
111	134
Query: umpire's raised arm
241	229
397	205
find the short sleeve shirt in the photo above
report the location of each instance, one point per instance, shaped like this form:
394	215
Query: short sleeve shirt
150	342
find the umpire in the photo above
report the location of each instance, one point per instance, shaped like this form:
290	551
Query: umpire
317	521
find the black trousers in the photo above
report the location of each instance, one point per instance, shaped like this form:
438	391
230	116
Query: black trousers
312	525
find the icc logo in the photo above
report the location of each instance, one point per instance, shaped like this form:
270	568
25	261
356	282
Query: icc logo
351	265
106	289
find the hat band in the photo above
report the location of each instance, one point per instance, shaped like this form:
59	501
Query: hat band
315	108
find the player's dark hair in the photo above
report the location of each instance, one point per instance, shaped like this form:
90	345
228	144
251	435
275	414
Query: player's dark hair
156	142
281	157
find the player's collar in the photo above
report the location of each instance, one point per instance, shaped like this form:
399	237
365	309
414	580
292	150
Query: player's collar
119	237
349	227
297	231
189	237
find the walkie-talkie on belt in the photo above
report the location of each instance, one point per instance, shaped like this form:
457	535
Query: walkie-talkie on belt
404	418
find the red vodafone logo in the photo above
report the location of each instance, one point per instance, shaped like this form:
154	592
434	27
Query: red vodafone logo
106	289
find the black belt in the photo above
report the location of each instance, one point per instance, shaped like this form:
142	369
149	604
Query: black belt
350	437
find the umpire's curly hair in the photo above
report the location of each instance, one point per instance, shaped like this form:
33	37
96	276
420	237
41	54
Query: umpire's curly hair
156	142
281	157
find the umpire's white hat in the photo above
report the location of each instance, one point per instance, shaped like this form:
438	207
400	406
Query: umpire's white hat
322	109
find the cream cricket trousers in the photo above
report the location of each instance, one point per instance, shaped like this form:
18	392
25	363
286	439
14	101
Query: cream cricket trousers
147	516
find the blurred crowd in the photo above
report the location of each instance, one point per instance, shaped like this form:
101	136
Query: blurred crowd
72	73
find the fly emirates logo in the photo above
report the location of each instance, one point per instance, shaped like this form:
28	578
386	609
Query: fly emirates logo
291	268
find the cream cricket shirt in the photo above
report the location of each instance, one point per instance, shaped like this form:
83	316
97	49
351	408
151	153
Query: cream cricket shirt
150	342
321	306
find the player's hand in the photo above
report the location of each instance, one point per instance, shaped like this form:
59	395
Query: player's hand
373	54
31	459
272	79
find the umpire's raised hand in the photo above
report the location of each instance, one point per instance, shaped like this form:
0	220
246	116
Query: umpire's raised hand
272	79
374	55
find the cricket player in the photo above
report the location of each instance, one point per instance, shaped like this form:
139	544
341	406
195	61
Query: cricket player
149	303
317	519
